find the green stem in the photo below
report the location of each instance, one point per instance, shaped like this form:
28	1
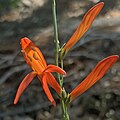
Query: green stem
56	44
64	105
56	41
64	110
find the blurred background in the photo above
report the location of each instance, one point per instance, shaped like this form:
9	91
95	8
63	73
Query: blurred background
33	19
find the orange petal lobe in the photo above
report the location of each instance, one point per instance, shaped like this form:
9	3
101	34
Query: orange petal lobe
25	42
32	51
47	91
96	74
26	81
84	26
53	83
53	68
42	59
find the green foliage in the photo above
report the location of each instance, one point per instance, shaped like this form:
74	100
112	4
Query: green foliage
8	4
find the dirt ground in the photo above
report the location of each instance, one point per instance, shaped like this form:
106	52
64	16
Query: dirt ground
33	18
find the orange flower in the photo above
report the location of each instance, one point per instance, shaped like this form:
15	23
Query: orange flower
96	74
36	61
83	27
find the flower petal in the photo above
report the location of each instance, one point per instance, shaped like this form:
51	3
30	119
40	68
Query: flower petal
26	81
32	51
96	74
47	91
25	43
53	83
42	59
53	68
84	26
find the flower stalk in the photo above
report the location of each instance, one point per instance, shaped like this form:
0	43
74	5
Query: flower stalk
57	48
56	41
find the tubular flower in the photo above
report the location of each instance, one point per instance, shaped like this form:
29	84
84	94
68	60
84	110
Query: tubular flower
83	27
36	61
96	74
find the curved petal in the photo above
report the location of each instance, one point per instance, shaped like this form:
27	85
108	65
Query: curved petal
53	68
42	59
27	46
47	91
26	81
25	43
53	83
96	74
84	26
